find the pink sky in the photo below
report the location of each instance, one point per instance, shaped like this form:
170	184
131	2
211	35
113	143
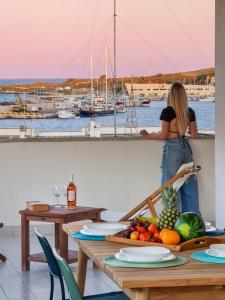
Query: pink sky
43	38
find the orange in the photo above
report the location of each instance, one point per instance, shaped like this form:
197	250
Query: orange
162	232
171	237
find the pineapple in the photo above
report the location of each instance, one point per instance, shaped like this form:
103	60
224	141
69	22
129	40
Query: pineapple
170	213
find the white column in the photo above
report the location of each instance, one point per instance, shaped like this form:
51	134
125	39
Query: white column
220	114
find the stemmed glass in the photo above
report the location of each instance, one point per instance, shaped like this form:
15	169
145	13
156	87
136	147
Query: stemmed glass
57	191
64	191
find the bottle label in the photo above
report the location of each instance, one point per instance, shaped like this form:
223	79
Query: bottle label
71	195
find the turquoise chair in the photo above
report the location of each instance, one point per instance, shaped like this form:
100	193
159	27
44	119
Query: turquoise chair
73	288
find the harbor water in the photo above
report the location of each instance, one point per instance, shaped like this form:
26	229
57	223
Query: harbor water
146	116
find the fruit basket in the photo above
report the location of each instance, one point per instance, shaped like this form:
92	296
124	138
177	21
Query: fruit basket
200	242
172	230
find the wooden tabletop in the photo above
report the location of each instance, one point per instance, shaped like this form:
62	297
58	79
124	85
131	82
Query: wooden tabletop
194	273
60	211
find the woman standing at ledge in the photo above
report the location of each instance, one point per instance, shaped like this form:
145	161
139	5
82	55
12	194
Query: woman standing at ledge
177	118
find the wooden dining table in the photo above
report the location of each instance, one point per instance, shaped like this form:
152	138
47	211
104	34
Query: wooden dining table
192	281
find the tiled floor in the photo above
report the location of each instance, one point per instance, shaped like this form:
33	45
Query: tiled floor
35	284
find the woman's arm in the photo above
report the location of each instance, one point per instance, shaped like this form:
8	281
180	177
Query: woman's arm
193	130
162	135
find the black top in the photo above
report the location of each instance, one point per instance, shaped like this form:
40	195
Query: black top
168	114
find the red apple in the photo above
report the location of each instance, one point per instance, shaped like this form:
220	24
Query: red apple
153	228
140	229
145	236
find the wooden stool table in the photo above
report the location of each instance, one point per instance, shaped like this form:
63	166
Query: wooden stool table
58	216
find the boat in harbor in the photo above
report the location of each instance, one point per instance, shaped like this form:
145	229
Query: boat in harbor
145	102
98	106
121	109
96	110
66	114
208	99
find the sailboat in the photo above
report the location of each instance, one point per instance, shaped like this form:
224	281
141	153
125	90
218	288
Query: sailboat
98	106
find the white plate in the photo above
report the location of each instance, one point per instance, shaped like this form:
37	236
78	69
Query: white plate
219	249
210	252
210	228
150	252
95	232
106	226
122	257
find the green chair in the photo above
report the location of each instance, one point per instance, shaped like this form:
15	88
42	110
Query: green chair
73	288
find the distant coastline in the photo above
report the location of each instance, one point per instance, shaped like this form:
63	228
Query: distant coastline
47	84
19	81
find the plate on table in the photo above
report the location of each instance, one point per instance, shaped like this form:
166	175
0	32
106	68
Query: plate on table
211	252
152	252
105	228
210	228
123	257
95	232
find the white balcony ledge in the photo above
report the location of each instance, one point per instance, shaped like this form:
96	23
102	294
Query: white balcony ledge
113	173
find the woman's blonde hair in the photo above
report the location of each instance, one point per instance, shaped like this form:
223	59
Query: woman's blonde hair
177	98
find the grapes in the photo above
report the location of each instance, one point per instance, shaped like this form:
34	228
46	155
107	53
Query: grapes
127	233
146	224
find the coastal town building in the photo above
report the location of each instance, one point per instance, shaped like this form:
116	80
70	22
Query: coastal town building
161	90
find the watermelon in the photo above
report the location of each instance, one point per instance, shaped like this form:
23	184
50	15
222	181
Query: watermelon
190	225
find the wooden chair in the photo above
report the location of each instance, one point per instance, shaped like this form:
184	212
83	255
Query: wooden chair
150	201
2	257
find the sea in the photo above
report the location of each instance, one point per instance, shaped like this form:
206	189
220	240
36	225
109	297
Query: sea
146	116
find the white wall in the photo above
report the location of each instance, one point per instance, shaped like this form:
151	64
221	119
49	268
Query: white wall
111	174
220	113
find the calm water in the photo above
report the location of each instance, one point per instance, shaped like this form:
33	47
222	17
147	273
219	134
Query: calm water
146	116
29	80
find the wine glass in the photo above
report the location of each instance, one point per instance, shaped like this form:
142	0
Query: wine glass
64	191
57	191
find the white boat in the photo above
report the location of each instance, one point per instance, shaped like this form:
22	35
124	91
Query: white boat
208	99
66	114
121	109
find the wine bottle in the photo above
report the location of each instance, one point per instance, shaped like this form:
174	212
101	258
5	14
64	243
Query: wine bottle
71	193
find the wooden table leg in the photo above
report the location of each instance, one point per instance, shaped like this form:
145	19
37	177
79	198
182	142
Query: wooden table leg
81	270
63	242
57	237
2	257
141	294
25	243
98	217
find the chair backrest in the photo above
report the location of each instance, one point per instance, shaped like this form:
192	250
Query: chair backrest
52	263
68	277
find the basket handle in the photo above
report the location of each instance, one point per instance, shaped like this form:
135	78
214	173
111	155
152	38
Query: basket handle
200	242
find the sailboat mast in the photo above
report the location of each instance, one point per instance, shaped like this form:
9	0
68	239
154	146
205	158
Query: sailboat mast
92	92
114	67
106	75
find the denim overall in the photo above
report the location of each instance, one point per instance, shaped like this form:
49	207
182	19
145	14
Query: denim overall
177	152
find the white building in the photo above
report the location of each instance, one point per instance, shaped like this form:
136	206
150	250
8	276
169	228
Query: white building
160	90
